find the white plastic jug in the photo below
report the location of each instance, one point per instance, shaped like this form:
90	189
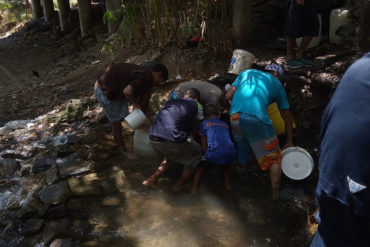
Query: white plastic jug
136	119
338	18
142	146
240	61
315	40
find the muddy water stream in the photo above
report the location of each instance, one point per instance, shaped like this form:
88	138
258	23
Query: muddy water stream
137	216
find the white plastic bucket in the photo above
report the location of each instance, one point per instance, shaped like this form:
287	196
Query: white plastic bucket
136	118
240	61
338	18
142	146
315	41
297	163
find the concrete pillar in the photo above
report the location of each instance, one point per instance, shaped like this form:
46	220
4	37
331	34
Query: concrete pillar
48	9
36	9
242	23
112	5
84	13
64	10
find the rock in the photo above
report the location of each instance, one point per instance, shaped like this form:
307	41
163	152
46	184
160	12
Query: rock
64	150
42	162
57	212
67	242
73	139
31	226
73	112
88	185
42	211
56	229
81	153
5	130
52	175
7	168
56	193
29	208
111	201
70	167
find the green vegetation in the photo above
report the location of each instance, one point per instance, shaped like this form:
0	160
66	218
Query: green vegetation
13	11
176	21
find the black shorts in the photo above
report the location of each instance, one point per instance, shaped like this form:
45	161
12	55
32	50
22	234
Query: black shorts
301	20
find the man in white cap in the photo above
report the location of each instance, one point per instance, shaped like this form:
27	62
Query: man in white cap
251	93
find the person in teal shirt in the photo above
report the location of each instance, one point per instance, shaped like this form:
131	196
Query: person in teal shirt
251	93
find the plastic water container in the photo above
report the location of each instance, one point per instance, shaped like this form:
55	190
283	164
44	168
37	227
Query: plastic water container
296	163
240	61
315	41
136	119
277	121
142	146
338	18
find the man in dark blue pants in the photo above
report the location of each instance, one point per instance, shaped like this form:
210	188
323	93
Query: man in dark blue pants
343	190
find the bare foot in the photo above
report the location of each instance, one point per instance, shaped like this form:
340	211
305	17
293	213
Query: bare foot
149	183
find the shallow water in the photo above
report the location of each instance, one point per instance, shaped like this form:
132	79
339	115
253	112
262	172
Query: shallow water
213	217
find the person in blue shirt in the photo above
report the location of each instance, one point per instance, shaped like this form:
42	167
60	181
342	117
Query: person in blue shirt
251	93
171	135
343	189
218	148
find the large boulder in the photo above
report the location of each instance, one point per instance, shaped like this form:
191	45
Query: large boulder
209	93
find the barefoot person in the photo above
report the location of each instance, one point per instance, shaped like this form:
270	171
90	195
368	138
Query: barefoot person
251	93
217	146
302	22
124	83
171	136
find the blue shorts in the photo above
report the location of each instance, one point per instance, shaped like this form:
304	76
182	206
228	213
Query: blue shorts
115	110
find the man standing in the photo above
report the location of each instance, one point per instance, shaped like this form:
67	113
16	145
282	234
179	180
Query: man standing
343	189
301	21
124	83
171	136
251	93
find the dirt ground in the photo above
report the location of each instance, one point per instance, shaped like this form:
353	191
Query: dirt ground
41	70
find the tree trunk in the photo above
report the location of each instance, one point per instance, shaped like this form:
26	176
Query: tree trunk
112	5
365	27
84	12
64	9
36	9
48	9
242	23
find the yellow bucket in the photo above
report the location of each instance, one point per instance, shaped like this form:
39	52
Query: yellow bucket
277	120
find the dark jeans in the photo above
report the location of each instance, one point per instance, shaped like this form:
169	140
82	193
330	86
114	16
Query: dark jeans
339	226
